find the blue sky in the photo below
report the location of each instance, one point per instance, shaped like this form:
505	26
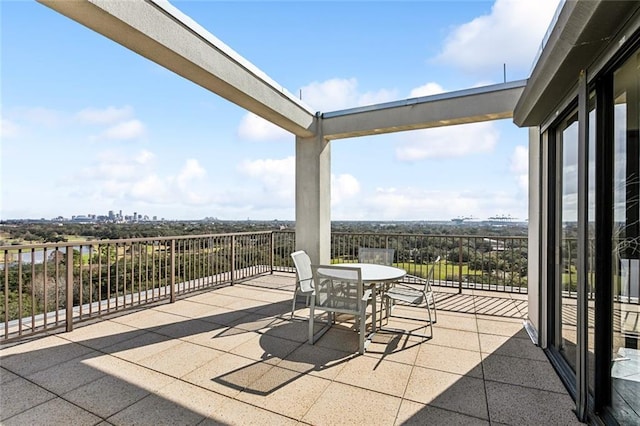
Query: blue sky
89	126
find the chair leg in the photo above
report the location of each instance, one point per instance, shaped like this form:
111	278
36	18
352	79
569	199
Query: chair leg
293	304
430	320
295	298
435	311
389	305
386	306
374	313
363	326
311	319
330	320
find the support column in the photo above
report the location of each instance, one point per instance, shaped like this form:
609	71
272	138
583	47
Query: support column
313	198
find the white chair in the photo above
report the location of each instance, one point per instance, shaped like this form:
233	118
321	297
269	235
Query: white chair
339	290
380	256
413	296
304	278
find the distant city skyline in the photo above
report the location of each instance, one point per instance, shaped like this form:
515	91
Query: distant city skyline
111	215
108	127
115	217
121	217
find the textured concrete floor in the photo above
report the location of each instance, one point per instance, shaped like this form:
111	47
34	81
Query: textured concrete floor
233	356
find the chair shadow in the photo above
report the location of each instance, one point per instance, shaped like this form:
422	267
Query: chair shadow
308	359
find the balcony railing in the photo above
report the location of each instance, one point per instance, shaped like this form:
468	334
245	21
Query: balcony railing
467	262
46	286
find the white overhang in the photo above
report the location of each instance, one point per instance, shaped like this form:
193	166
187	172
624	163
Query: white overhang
581	33
459	107
158	31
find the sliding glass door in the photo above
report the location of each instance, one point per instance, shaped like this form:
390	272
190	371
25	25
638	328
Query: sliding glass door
625	365
566	278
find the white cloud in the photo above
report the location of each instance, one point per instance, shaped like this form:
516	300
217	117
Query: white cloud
151	189
378	97
134	176
520	167
428	89
343	187
125	130
341	93
277	179
520	159
412	203
510	34
144	157
337	93
191	170
118	166
191	184
8	129
257	128
329	95
107	115
39	116
276	176
120	122
447	142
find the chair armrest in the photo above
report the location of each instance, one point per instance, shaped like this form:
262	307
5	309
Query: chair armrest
412	287
415	279
306	285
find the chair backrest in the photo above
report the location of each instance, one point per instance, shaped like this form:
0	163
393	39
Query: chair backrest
381	256
304	275
338	289
430	274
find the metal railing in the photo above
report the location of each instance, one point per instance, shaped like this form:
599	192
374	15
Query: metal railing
478	262
47	286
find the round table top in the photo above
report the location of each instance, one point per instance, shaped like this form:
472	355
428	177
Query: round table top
372	272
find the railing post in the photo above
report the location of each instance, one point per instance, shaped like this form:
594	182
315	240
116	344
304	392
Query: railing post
233	258
460	266
271	251
6	293
69	307
172	260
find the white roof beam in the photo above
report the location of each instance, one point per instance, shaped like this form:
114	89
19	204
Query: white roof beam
465	106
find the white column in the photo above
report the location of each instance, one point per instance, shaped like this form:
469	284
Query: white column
534	277
313	197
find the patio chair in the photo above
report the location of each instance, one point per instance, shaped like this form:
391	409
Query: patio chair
339	290
378	256
405	294
304	278
381	256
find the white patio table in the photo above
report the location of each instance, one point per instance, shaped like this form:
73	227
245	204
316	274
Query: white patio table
374	275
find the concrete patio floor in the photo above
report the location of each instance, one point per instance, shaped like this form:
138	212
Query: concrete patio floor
233	356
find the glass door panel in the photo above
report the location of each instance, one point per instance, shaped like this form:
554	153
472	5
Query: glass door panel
591	249
625	370
566	277
567	226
